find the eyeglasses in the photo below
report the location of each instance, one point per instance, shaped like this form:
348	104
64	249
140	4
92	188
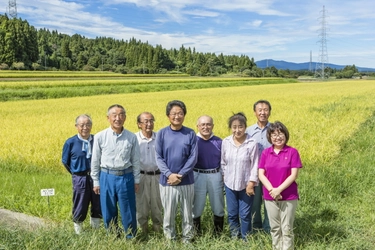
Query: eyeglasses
147	122
281	136
87	125
180	114
205	124
120	115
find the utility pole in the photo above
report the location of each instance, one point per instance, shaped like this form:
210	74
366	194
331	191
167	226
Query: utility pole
323	54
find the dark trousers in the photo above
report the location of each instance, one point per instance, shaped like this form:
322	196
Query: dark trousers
83	196
256	212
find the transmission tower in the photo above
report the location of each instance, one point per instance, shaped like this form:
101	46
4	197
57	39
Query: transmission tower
323	54
12	8
310	65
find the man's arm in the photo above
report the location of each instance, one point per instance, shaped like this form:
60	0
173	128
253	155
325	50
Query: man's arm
193	157
95	161
160	161
136	163
66	157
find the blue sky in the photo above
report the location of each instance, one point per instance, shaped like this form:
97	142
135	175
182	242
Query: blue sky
263	29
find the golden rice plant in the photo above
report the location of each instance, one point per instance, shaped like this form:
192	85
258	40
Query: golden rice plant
318	115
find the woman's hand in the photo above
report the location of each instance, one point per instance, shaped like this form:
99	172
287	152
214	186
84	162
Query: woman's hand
275	193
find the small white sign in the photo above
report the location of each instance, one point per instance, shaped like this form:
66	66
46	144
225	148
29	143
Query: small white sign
47	192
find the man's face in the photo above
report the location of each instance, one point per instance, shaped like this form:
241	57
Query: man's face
176	116
262	112
146	123
116	117
205	126
84	127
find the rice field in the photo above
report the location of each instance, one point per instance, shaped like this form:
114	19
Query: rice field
322	118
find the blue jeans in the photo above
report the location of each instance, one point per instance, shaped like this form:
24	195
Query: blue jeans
239	212
118	189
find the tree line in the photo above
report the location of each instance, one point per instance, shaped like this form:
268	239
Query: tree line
22	46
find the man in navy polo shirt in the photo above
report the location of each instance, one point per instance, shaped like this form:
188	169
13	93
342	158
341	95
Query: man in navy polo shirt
208	178
76	157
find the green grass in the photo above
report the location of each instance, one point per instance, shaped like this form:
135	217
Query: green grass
11	91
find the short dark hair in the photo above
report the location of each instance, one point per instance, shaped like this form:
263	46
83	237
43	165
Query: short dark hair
173	103
116	106
240	116
144	113
262	101
277	127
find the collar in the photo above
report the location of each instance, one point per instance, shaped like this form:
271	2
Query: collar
141	135
199	135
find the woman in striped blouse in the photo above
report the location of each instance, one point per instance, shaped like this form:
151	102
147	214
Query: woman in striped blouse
239	161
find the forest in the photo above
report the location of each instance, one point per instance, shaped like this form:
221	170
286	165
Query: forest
23	47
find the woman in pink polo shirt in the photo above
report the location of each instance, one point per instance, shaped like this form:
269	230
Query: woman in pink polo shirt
278	171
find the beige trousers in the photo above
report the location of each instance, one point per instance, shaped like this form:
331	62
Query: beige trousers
281	215
149	202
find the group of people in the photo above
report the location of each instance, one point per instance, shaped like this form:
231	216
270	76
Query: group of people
148	174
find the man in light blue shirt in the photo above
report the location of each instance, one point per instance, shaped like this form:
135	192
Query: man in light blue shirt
115	170
258	131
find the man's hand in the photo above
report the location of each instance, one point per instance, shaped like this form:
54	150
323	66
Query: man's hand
136	188
174	179
250	188
96	190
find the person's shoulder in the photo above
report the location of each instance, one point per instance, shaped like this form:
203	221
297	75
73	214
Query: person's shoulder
216	138
291	149
250	139
190	130
252	127
71	139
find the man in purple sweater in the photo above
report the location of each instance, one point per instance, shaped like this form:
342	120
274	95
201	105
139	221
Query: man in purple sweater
176	155
207	176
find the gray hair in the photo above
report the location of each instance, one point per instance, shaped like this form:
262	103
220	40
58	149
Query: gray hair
86	116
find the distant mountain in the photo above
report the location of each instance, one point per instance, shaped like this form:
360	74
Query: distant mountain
302	66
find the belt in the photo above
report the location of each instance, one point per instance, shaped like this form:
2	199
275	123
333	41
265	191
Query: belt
207	171
83	173
156	172
118	172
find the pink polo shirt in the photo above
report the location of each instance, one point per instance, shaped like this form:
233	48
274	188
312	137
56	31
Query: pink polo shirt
278	167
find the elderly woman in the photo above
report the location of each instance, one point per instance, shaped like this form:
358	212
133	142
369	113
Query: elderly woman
239	161
278	171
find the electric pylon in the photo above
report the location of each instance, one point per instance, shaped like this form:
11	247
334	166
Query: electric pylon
323	54
12	8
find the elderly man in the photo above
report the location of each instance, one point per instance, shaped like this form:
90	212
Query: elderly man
148	196
262	111
76	157
176	156
207	176
116	157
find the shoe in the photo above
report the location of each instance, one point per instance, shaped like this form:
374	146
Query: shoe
78	227
95	222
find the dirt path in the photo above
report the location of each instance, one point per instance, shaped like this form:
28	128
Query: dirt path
18	220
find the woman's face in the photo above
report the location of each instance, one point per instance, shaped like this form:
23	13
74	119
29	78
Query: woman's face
238	129
278	139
